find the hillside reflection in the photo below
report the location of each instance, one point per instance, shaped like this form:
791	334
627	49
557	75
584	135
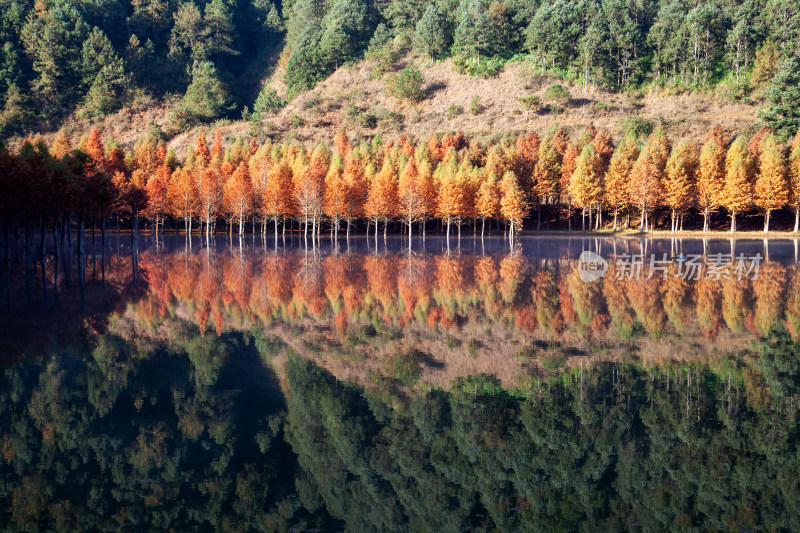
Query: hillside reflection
261	388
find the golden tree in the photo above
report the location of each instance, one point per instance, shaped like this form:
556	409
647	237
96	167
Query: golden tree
512	202
737	193
356	186
487	201
427	191
410	201
585	186
183	197
276	198
60	146
451	200
772	188
309	187
381	201
239	194
335	196
710	175
794	180
568	164
645	185
616	194
679	181
546	173
209	187
157	196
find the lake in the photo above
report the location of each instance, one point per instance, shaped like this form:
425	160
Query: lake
556	384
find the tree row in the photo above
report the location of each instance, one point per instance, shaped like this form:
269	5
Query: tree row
451	179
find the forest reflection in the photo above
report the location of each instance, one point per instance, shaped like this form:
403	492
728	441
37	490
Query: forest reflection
260	388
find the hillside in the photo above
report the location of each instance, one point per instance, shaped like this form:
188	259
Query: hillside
346	97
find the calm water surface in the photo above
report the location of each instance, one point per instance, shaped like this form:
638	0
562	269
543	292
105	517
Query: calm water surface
290	386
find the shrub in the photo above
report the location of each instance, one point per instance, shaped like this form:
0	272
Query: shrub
488	67
475	106
636	126
532	102
453	111
406	84
556	96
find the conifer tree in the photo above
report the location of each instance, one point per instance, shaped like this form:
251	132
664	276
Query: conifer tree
679	181
487	201
772	187
238	194
335	196
617	178
794	180
710	175
737	193
585	186
512	203
410	200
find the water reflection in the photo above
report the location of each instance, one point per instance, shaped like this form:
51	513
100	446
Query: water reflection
263	388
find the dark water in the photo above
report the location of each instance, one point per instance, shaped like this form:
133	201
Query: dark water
363	387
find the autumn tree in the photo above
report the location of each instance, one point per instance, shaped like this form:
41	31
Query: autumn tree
794	180
276	198
616	194
679	180
737	193
210	192
772	187
585	185
451	200
355	182
157	195
238	194
487	201
335	196
710	175
546	173
512	203
645	185
309	187
183	197
382	196
410	201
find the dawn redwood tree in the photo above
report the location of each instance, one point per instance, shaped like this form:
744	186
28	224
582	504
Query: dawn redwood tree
183	197
679	181
585	186
710	176
335	196
309	187
547	171
277	196
238	194
410	201
158	186
772	187
451	200
356	185
381	201
487	201
617	178
645	185
512	203
427	192
794	180
737	193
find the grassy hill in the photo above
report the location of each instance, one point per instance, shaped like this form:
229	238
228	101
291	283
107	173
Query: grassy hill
352	98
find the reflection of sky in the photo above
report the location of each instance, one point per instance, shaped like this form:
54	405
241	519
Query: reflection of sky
784	251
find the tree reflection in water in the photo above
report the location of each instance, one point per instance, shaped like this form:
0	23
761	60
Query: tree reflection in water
215	389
